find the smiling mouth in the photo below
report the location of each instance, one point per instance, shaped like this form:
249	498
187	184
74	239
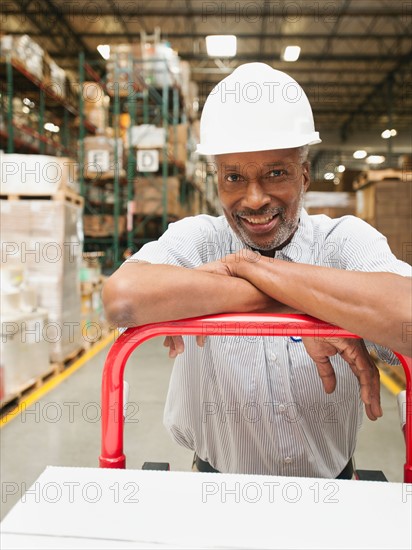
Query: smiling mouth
259	224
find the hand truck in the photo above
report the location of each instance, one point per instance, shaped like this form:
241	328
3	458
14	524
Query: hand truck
240	324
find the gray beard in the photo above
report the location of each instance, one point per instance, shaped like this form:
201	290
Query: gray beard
284	231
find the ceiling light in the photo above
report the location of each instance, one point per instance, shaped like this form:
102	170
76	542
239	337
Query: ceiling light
336	181
104	50
360	154
291	53
329	176
221	45
386	134
341	168
375	159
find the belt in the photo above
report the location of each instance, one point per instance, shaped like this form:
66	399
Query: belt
203	466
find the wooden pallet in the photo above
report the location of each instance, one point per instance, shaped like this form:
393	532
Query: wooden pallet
65	195
70	358
12	400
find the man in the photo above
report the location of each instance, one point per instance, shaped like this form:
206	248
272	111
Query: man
256	405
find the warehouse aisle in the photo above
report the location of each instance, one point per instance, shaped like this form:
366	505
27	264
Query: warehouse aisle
63	428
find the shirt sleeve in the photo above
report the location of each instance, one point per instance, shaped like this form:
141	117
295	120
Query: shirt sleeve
365	249
185	243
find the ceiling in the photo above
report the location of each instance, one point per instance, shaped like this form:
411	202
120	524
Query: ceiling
355	63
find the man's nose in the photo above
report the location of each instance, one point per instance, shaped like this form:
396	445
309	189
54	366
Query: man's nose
255	196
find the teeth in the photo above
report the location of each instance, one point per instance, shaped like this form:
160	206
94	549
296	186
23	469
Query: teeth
259	220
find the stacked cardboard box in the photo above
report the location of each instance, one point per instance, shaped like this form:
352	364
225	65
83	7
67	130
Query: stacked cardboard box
103	225
148	136
96	105
100	157
54	77
47	236
24	350
37	174
387	205
149	196
332	204
25	51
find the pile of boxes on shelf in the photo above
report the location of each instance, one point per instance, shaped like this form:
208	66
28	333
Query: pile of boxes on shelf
29	57
25	353
130	69
384	199
334	204
42	243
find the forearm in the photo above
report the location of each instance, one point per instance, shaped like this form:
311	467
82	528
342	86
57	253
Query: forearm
376	306
140	293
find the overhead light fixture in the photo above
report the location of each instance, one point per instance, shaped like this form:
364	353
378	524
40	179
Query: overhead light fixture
360	154
329	176
375	159
291	53
341	168
336	181
221	45
104	50
386	134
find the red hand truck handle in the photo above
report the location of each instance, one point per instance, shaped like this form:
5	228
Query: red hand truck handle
240	324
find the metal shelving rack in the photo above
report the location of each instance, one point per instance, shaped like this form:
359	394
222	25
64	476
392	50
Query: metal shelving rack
145	105
18	80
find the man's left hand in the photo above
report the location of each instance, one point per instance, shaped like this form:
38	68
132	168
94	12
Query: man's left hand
356	355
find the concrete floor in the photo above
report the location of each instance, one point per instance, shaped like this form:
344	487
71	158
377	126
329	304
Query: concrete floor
63	428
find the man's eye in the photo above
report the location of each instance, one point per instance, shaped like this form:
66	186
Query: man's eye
276	173
233	178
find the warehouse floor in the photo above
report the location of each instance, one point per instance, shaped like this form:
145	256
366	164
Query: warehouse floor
63	427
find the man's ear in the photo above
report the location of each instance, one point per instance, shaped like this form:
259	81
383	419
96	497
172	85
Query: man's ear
306	174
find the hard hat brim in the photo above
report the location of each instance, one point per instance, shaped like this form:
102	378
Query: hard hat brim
223	149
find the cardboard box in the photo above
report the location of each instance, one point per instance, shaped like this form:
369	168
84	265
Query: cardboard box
148	136
149	196
112	508
37	174
99	157
24	350
25	51
102	225
46	236
387	206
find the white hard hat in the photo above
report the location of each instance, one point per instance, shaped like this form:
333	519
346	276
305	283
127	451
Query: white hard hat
256	108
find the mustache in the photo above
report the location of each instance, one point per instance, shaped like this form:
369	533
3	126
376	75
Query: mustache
262	212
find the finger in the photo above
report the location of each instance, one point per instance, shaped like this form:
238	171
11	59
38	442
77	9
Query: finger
166	341
200	340
368	376
176	346
327	374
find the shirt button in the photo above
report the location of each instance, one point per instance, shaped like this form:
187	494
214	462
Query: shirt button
288	460
282	408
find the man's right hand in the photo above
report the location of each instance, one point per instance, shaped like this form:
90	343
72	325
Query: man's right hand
176	345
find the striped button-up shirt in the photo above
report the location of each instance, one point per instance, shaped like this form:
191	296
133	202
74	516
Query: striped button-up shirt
256	405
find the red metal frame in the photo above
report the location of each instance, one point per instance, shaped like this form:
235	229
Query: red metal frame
242	324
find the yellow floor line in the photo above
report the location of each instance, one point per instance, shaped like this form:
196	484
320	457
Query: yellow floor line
55	381
389	383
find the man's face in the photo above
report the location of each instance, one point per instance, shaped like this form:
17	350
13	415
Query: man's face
262	195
